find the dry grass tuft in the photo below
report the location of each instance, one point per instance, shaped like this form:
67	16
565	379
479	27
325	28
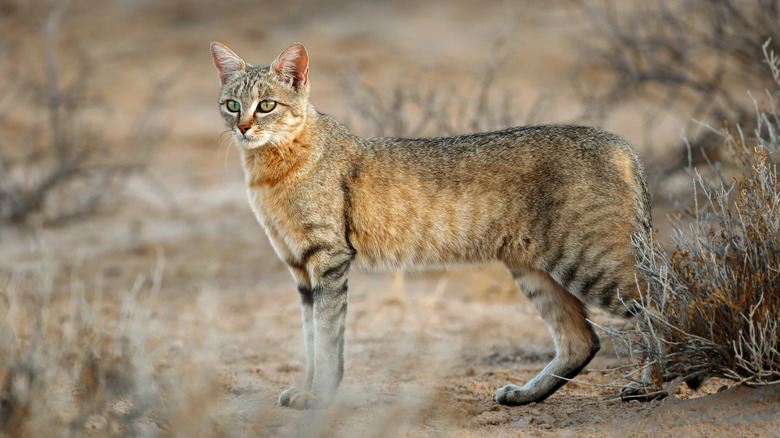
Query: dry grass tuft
68	367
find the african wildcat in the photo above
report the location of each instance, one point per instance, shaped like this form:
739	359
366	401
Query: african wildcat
557	205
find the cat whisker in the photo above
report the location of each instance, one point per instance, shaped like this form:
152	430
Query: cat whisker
224	144
279	149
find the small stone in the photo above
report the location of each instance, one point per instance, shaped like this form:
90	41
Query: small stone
96	422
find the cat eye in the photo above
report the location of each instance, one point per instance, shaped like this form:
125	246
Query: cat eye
233	106
266	106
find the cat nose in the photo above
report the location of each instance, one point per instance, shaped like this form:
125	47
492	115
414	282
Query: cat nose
243	128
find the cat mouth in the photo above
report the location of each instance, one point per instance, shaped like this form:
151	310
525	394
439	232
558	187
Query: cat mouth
250	140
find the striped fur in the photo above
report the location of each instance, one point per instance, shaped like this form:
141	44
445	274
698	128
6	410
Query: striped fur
557	205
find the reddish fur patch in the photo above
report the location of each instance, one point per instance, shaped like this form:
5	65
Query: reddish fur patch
273	165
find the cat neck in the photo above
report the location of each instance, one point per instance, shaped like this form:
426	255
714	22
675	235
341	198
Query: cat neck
271	164
282	164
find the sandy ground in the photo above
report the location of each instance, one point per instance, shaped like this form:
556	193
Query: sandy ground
425	352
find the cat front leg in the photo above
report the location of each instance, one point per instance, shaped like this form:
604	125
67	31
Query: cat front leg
301	398
330	311
324	311
307	313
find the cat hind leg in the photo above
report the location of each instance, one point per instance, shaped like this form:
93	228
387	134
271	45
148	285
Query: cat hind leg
575	340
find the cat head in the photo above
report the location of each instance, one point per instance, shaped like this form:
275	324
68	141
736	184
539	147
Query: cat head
265	105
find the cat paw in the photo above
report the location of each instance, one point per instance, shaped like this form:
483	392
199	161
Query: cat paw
513	395
642	392
301	400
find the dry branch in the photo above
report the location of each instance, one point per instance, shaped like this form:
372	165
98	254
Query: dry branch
59	165
693	58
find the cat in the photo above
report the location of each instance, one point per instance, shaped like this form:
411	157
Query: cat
557	205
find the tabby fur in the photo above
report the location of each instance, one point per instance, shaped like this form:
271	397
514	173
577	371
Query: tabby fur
557	205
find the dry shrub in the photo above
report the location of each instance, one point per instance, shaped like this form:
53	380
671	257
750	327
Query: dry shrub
712	304
422	108
691	58
59	151
428	104
61	368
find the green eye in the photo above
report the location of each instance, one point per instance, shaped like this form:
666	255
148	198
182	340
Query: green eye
233	106
266	106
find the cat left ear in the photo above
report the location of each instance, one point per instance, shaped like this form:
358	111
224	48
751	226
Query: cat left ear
293	66
227	62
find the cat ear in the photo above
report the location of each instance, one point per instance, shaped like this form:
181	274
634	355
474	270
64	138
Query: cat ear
227	62
293	65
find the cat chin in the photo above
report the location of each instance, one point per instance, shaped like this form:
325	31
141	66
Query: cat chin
251	143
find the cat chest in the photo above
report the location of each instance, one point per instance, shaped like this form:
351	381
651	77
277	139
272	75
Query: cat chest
293	222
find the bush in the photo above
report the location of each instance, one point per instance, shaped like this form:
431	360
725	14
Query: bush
57	159
424	104
691	58
712	305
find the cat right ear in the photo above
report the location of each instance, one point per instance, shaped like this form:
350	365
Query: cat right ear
292	65
227	62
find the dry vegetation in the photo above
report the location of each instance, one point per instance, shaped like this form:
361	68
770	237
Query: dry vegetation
63	156
713	302
72	368
691	59
714	296
424	105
